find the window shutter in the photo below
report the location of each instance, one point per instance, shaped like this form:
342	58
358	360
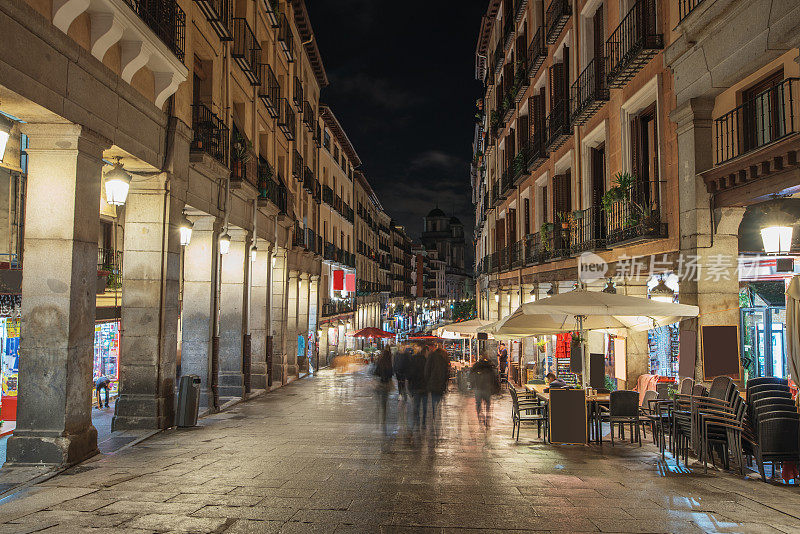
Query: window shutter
527	215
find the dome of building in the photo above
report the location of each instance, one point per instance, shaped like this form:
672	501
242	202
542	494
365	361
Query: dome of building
436	212
455	220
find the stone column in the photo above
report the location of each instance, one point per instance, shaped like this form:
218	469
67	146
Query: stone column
231	316
259	294
54	414
515	298
150	282
705	236
303	291
292	323
279	308
313	319
199	272
637	351
494	305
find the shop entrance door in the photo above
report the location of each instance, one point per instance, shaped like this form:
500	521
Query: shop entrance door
763	341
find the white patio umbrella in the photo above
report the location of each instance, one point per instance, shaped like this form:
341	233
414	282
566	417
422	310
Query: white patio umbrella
468	329
793	328
581	310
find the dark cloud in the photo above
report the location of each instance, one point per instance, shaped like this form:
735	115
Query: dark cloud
402	84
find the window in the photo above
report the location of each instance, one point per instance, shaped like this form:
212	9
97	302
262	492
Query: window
763	112
527	214
644	152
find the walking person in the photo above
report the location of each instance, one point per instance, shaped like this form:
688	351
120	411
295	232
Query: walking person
437	377
102	383
485	382
401	361
418	388
502	361
383	372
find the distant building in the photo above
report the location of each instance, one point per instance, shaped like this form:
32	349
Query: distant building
443	239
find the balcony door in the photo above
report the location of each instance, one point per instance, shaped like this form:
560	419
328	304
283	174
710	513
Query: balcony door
598	184
598	41
644	153
763	114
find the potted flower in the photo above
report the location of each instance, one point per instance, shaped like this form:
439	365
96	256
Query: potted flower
240	155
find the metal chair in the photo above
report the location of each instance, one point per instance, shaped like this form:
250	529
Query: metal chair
624	409
534	412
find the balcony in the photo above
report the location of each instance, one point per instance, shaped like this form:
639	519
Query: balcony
557	125
271	9
309	182
246	51
285	37
308	116
556	17
286	119
537	152
338	307
166	19
519	166
297	95
756	144
505	184
521	79
633	44
508	33
269	189
297	166
218	14
210	134
588	230
537	53
687	6
519	10
589	92
270	91
635	215
327	195
499	59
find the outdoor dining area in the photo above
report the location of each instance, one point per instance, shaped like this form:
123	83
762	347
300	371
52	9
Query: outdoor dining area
721	422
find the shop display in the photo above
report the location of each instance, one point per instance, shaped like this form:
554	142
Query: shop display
562	357
664	347
106	355
10	367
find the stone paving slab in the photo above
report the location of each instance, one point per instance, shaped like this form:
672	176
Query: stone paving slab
311	457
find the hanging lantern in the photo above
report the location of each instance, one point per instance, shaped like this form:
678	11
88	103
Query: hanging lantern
118	183
185	227
224	243
662	292
777	239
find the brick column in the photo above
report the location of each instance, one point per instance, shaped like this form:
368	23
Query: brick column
149	306
54	417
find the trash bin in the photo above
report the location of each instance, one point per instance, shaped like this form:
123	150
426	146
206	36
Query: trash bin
188	401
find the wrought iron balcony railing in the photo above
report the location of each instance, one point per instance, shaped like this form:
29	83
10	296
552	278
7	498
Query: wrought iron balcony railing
218	13
210	133
763	119
285	37
308	115
297	166
588	230
166	19
633	44
556	17
537	52
687	6
519	10
270	90
636	215
269	188
537	150
327	195
309	181
557	125
297	95
246	51
271	9
589	92
286	119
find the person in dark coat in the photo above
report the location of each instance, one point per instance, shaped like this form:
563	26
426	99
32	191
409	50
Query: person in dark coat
502	360
383	372
401	362
418	388
437	377
485	383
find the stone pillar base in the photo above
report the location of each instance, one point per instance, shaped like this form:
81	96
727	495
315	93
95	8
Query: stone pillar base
231	386
50	448
137	412
258	378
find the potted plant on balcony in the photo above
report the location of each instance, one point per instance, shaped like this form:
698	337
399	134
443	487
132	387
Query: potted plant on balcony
621	189
240	155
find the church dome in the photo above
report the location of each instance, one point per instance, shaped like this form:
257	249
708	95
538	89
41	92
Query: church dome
436	212
455	220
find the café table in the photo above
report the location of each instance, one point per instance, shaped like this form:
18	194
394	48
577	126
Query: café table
593	402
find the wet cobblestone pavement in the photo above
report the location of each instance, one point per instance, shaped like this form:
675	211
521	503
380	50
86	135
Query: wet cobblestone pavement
310	457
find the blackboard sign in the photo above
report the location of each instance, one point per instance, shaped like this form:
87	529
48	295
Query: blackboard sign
597	370
567	416
688	354
720	350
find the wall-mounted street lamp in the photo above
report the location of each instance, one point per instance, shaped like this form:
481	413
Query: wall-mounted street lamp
662	292
253	253
609	287
118	182
777	239
185	227
224	243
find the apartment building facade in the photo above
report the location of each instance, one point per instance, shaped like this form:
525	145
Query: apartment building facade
582	141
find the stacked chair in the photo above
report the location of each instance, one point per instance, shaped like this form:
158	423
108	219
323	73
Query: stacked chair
527	409
772	432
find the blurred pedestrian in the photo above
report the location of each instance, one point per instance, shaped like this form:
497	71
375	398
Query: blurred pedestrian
437	377
383	372
485	383
401	362
418	388
502	360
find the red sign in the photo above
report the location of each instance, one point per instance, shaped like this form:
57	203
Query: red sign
338	280
350	282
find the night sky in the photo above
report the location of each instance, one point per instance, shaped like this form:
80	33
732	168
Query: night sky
402	84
